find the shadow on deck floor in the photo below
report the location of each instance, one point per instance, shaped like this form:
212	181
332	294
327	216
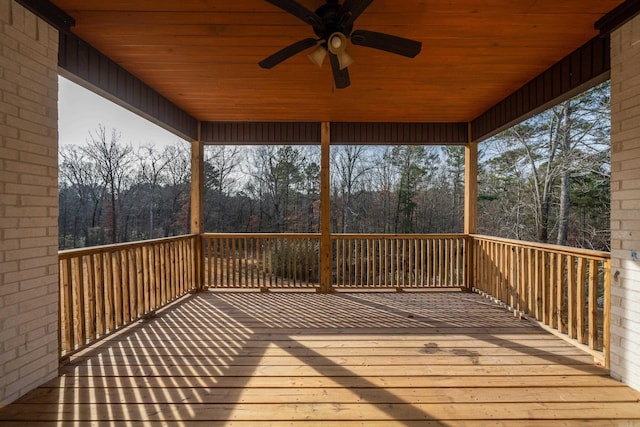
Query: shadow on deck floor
345	359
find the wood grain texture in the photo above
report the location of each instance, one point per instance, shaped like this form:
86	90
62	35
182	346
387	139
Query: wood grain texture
345	359
202	56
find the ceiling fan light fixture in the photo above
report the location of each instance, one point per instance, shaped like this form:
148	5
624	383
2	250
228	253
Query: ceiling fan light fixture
345	60
337	43
332	23
318	55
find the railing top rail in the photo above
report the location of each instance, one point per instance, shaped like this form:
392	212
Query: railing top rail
262	235
339	235
565	250
72	253
397	236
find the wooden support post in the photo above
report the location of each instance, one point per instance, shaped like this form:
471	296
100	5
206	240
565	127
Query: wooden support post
197	207
470	205
326	255
471	188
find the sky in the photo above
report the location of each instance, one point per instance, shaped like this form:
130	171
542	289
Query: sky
81	111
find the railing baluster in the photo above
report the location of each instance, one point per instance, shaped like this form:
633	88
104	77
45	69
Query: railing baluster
126	312
446	244
140	282
560	288
66	299
553	292
375	261
571	297
229	248
581	301
538	283
91	299
78	302
593	304
133	306
100	304
117	289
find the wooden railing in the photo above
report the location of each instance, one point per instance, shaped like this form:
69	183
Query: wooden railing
265	261
104	288
261	261
399	261
564	288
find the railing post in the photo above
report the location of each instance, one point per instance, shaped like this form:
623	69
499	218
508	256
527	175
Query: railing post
326	255
469	262
606	327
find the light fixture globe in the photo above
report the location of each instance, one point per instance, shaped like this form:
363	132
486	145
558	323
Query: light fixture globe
337	44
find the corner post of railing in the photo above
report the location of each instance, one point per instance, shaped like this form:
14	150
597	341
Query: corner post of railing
606	326
469	262
198	254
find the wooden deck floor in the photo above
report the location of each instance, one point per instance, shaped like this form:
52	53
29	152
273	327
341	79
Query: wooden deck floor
300	359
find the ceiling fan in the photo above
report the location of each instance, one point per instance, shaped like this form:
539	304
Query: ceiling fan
333	24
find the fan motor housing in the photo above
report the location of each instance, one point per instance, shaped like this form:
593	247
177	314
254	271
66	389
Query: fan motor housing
331	20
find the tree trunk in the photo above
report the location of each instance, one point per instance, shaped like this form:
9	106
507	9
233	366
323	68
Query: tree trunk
565	177
563	213
543	226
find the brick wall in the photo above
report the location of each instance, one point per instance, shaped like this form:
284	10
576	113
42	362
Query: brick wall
625	203
28	201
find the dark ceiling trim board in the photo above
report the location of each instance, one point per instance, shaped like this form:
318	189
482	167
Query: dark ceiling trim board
294	133
399	133
583	68
88	66
247	133
618	17
51	13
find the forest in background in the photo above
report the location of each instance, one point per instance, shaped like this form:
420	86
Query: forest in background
546	180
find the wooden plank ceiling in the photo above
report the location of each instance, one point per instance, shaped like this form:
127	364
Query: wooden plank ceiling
203	55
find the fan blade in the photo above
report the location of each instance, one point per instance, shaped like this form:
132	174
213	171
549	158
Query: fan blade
297	10
340	77
387	42
351	9
287	53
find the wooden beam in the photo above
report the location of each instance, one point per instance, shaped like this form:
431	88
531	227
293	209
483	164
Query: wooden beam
326	255
399	133
197	186
618	17
470	206
51	13
197	206
281	133
471	188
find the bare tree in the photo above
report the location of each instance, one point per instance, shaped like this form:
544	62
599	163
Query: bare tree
112	161
221	163
351	165
78	181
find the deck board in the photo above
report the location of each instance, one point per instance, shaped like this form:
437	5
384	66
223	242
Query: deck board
365	359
